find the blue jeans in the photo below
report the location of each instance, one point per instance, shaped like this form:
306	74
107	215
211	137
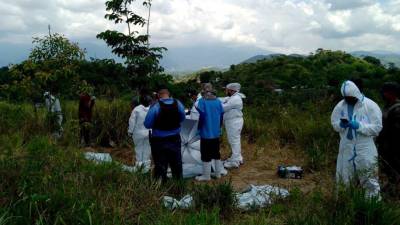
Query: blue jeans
166	151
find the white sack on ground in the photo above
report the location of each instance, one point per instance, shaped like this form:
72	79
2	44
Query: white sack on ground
98	157
259	196
172	203
254	197
106	158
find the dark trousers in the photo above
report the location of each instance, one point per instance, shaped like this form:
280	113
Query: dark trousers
209	149
85	132
166	151
390	165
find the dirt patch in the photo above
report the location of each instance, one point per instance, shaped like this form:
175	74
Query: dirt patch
259	167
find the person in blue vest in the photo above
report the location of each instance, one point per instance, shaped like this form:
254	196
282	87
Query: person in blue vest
210	121
165	118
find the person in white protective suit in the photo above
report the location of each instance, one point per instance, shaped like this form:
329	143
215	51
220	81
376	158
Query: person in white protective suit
358	120
233	121
193	114
140	134
53	106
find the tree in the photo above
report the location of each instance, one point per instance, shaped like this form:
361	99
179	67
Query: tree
141	59
57	60
373	60
56	48
52	65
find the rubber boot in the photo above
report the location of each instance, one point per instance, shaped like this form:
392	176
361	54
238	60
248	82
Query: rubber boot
231	164
218	168
206	172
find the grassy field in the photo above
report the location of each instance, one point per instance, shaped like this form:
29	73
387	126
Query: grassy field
44	181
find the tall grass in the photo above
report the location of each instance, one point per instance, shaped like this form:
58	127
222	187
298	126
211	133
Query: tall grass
307	127
47	181
348	207
109	123
43	183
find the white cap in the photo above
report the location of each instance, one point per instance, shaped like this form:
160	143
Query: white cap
46	93
233	87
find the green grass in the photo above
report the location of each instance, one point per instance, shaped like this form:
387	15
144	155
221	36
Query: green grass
47	181
307	128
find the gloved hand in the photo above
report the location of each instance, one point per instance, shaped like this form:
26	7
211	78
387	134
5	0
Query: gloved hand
354	124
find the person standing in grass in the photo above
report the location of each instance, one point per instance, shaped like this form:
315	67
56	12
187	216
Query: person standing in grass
85	111
165	118
55	116
140	134
210	121
233	120
358	120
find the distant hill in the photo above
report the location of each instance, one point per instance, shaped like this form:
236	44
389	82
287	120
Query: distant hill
178	60
257	58
386	57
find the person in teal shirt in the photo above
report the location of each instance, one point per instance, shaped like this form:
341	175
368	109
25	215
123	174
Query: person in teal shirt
210	121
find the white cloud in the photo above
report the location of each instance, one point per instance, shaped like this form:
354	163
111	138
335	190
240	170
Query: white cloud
340	20
348	4
278	25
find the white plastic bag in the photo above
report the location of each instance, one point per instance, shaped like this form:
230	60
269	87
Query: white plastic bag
259	196
98	157
172	203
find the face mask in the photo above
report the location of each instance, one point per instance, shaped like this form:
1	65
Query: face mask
351	100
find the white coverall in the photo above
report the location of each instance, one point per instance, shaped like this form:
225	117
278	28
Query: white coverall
194	114
233	121
358	153
140	136
53	105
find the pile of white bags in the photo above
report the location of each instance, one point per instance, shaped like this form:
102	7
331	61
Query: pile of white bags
254	197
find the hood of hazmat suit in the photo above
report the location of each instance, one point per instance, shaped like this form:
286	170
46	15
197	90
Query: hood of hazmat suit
357	150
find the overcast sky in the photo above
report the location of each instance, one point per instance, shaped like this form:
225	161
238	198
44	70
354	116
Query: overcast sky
285	26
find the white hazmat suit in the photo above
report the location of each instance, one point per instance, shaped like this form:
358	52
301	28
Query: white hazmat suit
233	121
140	136
194	114
357	150
53	105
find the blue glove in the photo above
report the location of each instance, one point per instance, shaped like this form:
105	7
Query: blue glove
354	124
343	124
